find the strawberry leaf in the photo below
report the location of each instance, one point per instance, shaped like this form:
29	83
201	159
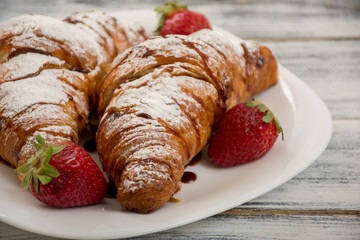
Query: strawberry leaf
251	103
49	153
40	141
49	170
38	167
38	146
279	128
44	179
25	184
160	24
262	108
269	116
58	148
169	7
24	168
35	180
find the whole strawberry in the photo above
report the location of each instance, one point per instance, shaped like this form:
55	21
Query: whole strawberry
176	18
63	176
245	133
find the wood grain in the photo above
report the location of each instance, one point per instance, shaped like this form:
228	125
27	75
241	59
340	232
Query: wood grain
330	183
330	68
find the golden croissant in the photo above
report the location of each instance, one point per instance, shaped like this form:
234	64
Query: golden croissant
159	102
49	70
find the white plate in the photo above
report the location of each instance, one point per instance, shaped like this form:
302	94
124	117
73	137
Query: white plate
307	124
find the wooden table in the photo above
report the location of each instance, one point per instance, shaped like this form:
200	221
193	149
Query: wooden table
319	41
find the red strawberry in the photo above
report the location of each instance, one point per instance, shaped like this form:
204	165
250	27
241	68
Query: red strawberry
68	176
175	18
245	133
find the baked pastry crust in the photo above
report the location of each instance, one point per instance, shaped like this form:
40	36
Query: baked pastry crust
159	103
49	69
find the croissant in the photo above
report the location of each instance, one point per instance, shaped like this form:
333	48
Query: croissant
49	70
159	103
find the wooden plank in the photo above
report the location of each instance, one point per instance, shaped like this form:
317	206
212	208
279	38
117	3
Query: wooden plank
269	226
279	212
332	182
11	233
246	225
249	19
330	68
291	19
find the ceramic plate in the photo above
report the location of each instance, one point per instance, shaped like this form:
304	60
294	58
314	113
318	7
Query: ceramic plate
307	125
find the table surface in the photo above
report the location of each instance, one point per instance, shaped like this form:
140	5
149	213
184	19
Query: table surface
319	41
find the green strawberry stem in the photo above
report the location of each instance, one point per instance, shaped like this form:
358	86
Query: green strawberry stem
269	116
38	167
164	12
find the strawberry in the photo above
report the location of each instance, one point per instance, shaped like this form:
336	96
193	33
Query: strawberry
176	18
63	175
245	133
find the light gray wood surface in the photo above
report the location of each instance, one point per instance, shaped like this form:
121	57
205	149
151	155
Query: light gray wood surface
319	41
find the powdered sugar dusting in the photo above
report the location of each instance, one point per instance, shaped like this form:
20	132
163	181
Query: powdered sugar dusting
16	96
134	31
155	151
36	30
66	130
129	121
170	98
232	50
153	103
27	64
43	86
164	99
252	46
161	100
42	114
144	174
101	26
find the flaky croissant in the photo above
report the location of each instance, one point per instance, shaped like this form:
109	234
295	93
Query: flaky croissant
159	103
48	73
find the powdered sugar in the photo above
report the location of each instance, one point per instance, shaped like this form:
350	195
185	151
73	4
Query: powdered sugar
232	50
101	26
27	64
43	115
17	96
252	46
134	32
36	30
66	130
42	82
153	103
146	174
128	121
163	102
